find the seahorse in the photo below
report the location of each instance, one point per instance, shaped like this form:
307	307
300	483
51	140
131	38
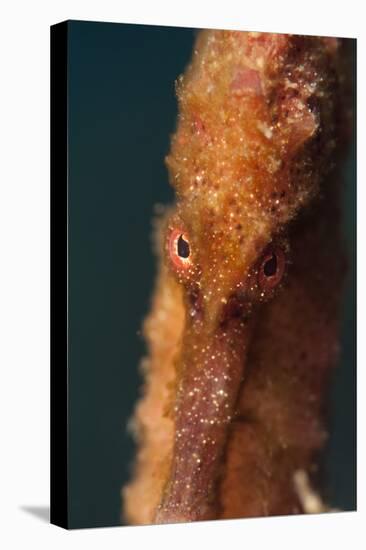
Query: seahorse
243	329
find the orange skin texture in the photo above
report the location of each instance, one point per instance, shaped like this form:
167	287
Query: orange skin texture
238	368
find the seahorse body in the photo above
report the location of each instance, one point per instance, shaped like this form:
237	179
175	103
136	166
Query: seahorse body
243	330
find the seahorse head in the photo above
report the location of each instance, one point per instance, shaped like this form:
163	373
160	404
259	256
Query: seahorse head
254	141
254	138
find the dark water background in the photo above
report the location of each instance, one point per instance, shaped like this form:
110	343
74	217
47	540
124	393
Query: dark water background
122	111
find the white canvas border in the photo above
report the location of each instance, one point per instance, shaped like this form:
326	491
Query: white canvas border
24	298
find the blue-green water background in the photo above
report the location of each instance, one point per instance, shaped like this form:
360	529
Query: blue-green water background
122	111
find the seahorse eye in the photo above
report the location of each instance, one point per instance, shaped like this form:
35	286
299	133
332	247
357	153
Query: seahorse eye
179	249
272	268
183	247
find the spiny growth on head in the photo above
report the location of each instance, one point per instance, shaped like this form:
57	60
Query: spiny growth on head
255	137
